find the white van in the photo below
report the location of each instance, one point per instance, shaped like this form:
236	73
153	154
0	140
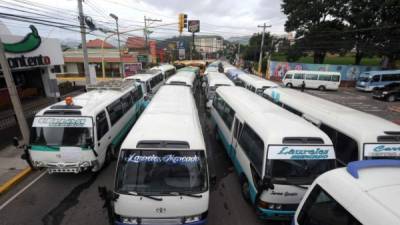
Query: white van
150	81
365	193
355	135
254	83
275	153
182	78
215	80
167	70
370	80
162	172
320	80
84	132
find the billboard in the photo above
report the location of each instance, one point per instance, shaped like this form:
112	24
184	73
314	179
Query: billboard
194	26
181	54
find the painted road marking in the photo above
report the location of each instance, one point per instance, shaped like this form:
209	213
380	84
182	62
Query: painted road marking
21	191
7	185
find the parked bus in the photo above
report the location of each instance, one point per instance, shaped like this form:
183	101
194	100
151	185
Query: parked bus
187	78
276	154
162	173
215	80
84	132
166	69
320	80
193	69
364	193
370	80
150	81
254	83
355	135
234	73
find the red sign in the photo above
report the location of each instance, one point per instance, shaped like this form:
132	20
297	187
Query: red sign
131	69
153	50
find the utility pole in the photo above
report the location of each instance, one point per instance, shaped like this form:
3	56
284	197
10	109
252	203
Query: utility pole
146	32
12	90
238	56
83	40
119	44
261	49
193	47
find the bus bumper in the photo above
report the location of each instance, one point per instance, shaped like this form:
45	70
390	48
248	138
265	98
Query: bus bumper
200	222
270	214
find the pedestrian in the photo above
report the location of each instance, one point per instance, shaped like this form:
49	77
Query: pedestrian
303	86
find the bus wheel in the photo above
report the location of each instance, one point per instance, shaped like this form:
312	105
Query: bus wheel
289	85
246	190
391	98
321	88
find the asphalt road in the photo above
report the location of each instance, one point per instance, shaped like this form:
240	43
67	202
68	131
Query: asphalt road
70	199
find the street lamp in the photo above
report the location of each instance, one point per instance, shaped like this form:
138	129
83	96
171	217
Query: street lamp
119	43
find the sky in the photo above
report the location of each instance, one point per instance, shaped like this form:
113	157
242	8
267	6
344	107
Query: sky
228	18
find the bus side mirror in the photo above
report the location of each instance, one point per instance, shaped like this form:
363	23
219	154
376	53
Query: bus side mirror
266	183
15	141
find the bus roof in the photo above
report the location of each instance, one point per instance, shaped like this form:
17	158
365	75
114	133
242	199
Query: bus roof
271	122
314	72
256	81
215	78
186	77
143	77
89	103
170	116
164	67
361	126
380	72
190	68
378	188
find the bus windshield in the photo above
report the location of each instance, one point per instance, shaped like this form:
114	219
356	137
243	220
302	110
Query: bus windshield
61	136
160	172
295	169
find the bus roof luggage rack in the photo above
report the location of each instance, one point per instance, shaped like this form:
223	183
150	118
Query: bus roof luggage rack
117	85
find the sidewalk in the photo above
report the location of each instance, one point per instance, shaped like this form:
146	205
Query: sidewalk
12	167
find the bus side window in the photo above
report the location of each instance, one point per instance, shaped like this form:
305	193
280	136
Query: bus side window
101	125
321	208
253	146
376	78
237	128
346	148
115	111
127	103
299	76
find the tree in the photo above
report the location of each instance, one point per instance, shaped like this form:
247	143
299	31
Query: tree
317	27
252	51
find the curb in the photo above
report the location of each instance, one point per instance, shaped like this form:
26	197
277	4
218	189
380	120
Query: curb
14	180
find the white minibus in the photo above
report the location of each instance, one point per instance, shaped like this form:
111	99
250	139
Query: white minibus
364	193
187	78
254	83
370	80
320	80
275	153
215	80
162	172
150	81
355	135
84	132
166	69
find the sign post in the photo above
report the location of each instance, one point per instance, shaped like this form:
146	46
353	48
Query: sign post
193	27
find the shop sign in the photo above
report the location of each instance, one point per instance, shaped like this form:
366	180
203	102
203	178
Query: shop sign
131	69
194	26
29	43
22	61
142	58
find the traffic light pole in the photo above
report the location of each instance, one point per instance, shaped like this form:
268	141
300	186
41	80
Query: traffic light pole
12	90
83	40
193	47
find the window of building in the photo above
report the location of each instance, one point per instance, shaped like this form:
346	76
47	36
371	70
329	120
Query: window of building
321	208
101	125
253	146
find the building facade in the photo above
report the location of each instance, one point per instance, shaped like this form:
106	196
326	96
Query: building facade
208	44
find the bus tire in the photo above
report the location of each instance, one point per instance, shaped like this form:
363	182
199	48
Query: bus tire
289	85
245	188
391	98
322	88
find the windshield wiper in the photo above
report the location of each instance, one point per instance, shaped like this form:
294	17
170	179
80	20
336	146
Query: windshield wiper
185	194
143	195
293	184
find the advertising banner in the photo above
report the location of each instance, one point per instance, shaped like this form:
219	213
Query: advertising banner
194	26
348	72
131	69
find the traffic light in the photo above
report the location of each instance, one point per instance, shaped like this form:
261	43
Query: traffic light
182	22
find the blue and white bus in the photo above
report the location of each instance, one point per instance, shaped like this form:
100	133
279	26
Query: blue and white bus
375	79
162	172
276	154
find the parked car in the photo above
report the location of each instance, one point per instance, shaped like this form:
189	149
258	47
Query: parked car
390	92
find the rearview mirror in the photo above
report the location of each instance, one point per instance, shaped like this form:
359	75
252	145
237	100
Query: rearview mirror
266	183
15	141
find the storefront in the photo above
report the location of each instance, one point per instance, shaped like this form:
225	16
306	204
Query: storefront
34	61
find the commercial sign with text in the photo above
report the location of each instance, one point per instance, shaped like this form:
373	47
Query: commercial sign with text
301	152
382	150
131	69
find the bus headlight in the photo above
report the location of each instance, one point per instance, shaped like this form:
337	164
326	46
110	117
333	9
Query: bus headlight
385	92
192	219
128	220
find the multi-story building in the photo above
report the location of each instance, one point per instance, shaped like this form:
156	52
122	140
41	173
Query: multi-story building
208	43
